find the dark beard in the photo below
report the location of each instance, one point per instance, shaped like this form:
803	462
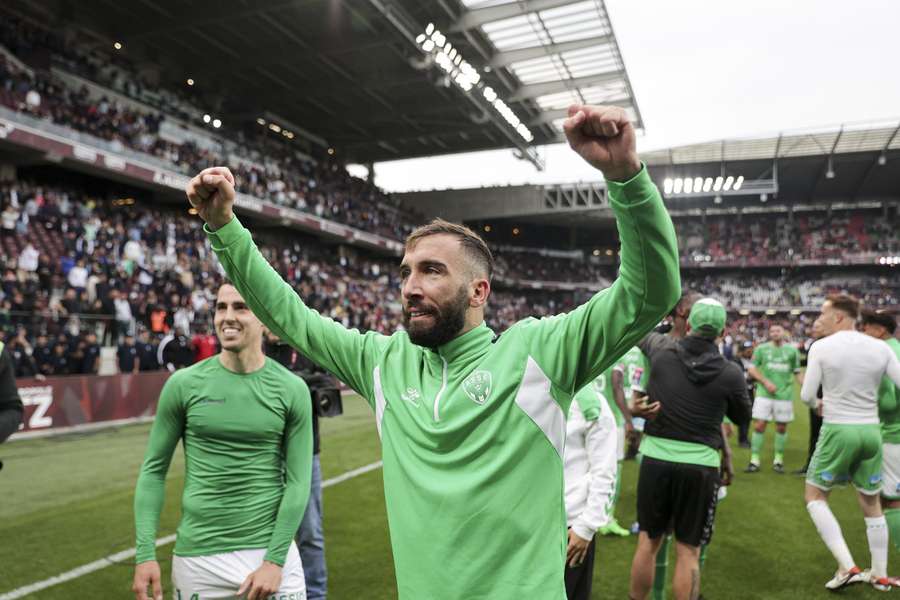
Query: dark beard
449	319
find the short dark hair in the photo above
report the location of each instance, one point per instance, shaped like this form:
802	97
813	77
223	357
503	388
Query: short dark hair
845	303
880	317
475	247
685	303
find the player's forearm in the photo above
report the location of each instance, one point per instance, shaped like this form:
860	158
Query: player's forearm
756	375
149	497
277	305
619	395
298	471
649	283
810	387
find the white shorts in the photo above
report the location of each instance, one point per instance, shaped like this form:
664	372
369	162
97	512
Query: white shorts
766	409
221	575
890	471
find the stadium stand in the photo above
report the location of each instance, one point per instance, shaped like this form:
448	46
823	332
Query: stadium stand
265	169
77	259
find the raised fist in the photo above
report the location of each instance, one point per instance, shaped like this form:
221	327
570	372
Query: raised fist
211	192
604	137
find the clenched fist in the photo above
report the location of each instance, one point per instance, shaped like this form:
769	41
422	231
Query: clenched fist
604	137
211	192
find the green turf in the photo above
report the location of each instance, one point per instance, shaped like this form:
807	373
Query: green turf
66	501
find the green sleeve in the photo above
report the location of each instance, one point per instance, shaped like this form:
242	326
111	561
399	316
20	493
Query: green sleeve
589	400
757	358
298	456
574	348
348	354
149	493
796	359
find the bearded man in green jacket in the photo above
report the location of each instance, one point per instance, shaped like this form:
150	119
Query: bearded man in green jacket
472	424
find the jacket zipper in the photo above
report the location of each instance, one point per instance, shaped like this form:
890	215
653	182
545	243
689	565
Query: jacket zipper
437	399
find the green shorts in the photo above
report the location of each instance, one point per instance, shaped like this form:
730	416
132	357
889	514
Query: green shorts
847	453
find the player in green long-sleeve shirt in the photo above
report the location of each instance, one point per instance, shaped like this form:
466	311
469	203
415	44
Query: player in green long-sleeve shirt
245	424
473	424
882	326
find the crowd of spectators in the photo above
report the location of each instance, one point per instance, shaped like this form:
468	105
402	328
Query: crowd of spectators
764	238
522	265
263	167
84	271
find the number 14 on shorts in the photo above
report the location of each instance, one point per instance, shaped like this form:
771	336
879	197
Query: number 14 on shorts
196	596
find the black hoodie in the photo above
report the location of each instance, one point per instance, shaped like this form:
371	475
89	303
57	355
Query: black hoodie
695	386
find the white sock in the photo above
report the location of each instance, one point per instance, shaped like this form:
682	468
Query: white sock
877	532
830	531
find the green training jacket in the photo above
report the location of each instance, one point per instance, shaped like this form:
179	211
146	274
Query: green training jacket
472	432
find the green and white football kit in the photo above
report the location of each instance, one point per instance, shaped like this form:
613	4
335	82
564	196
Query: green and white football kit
473	431
247	440
779	364
889	395
635	369
849	365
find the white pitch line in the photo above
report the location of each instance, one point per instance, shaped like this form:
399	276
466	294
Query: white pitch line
118	557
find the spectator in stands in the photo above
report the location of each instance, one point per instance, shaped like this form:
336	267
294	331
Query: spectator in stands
9	217
78	275
123	313
21	352
28	259
60	363
128	355
205	344
147	352
175	350
43	353
90	350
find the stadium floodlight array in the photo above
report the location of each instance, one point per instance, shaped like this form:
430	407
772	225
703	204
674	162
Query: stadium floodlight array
892	261
276	128
213	121
701	185
466	76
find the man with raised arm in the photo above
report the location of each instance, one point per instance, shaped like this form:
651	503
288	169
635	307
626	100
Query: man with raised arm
473	424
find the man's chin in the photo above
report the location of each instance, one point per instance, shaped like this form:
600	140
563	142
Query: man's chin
231	345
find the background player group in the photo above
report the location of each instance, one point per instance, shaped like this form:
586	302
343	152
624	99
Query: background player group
563	393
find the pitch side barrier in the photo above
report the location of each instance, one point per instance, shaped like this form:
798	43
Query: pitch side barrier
58	405
77	403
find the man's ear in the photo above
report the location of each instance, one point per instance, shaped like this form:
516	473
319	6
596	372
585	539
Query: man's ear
481	290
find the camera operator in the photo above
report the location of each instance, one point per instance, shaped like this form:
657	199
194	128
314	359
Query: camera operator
327	403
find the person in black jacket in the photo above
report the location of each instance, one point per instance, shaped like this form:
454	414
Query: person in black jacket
695	388
11	409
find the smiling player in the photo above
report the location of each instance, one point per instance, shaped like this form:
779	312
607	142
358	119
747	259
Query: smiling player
245	424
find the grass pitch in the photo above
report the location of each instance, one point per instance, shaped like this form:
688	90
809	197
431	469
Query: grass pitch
67	501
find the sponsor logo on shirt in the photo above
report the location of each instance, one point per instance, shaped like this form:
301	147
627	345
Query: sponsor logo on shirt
211	401
477	386
412	395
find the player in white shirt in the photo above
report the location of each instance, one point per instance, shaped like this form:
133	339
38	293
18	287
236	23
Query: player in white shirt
849	365
590	477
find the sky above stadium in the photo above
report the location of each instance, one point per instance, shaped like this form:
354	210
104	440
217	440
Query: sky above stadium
706	70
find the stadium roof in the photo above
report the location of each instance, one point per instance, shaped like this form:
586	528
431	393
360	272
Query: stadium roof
356	75
563	52
845	139
850	166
